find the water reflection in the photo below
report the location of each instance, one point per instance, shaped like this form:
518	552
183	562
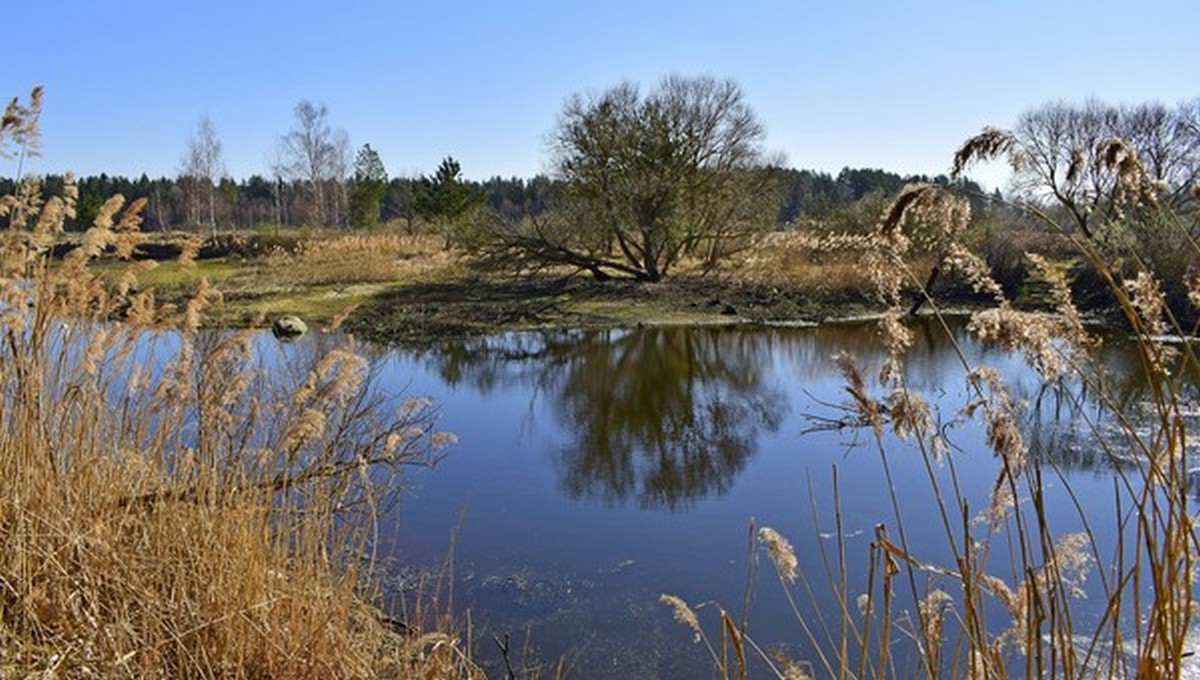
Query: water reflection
663	416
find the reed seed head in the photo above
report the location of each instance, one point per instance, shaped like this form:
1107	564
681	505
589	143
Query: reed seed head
987	145
781	552
683	613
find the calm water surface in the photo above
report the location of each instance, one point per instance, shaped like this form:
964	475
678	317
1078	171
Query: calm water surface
596	470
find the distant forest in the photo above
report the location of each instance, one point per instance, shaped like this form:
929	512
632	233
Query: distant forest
173	205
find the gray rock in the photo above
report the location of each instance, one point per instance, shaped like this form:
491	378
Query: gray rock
289	327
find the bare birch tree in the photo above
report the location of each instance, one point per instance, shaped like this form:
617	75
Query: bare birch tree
316	155
201	171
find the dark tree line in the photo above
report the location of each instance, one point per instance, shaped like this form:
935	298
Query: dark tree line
261	200
808	194
803	194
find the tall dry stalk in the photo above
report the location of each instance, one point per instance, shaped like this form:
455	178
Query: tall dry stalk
1016	556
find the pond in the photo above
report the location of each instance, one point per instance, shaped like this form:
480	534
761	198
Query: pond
598	469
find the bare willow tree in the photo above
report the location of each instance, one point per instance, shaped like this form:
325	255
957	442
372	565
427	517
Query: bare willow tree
1121	178
648	180
1062	152
1168	140
316	155
200	173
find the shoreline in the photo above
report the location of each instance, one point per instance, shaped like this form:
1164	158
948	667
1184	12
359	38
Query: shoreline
433	296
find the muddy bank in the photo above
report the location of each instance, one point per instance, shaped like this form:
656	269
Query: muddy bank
422	312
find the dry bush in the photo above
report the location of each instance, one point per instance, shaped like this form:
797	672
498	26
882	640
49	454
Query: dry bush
1003	241
801	260
170	504
358	258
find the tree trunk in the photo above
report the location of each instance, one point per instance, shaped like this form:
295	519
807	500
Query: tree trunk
923	293
212	211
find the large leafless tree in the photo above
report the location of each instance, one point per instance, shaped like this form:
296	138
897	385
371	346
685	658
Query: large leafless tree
650	179
1058	152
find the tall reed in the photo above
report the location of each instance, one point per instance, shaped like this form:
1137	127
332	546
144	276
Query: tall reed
1015	556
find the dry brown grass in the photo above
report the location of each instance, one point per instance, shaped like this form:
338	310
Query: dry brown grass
826	264
801	260
169	506
359	258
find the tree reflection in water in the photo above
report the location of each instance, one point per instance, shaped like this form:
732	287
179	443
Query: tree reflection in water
664	416
1072	427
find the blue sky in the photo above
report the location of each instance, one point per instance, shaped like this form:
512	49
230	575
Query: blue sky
837	83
